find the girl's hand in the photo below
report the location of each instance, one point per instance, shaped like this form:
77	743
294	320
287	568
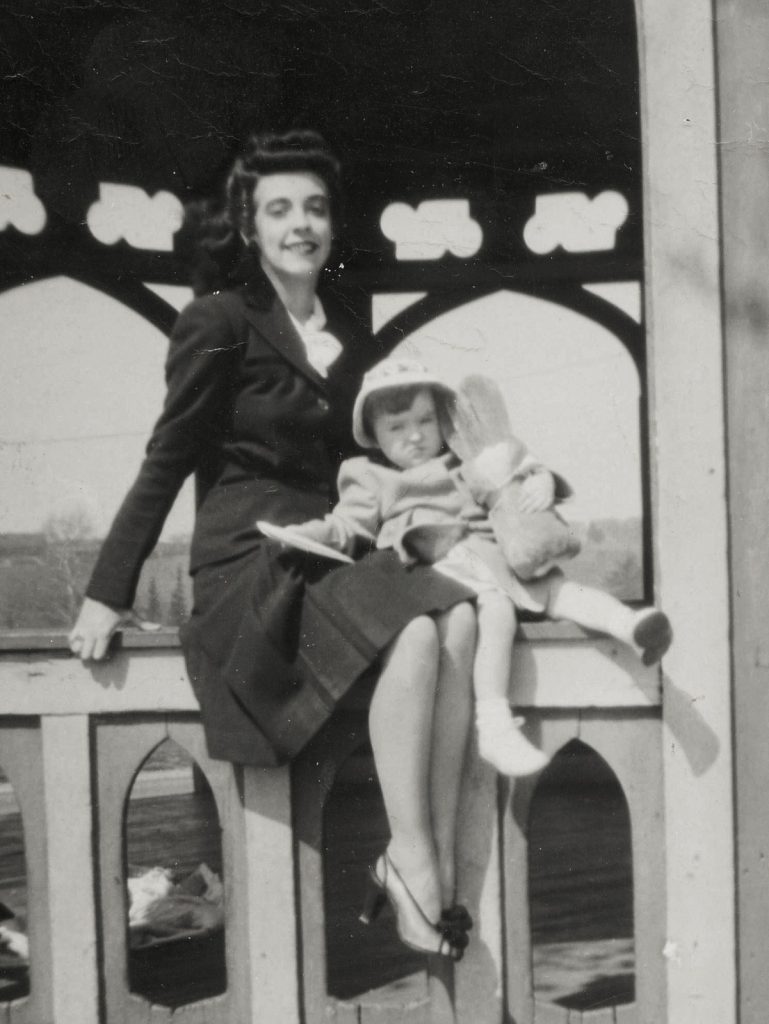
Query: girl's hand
96	624
537	492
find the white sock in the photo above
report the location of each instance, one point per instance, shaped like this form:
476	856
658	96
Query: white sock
501	742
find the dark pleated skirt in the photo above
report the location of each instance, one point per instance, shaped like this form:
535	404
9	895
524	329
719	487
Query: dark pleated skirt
277	638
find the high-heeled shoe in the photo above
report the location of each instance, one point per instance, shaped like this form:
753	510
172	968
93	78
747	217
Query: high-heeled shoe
455	922
415	930
459	915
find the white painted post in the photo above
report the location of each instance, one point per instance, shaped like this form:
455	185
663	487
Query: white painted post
72	912
271	896
479	976
678	91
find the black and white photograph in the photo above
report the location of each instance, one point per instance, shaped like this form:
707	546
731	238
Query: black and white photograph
384	482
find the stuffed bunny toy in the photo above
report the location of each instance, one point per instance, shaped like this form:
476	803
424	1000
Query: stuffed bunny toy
494	464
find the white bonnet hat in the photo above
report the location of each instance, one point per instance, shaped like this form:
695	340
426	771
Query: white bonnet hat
390	373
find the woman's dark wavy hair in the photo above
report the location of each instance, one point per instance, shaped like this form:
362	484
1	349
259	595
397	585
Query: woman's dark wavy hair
269	153
216	232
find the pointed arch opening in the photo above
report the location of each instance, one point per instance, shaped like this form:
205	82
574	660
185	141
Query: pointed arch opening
175	897
570	368
581	884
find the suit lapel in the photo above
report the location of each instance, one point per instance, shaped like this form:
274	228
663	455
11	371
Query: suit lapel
269	318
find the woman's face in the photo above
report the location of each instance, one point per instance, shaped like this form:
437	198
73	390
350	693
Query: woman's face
292	224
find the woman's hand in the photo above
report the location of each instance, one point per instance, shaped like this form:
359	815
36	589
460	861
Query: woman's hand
96	624
537	491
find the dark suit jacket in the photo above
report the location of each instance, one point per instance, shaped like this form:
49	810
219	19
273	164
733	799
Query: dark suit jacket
273	641
245	411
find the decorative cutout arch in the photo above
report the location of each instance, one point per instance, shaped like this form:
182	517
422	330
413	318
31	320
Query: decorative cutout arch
122	748
174	878
571	366
581	883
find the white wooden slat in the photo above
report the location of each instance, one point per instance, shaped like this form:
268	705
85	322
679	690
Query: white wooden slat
22	760
68	804
129	681
272	905
682	231
478	976
551	734
581	673
312	920
574	673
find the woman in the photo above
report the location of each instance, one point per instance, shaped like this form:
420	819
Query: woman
261	377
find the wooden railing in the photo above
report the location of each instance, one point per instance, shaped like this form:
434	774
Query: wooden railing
72	740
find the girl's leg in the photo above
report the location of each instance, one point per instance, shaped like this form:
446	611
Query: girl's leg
500	741
494	650
451	726
401	728
646	630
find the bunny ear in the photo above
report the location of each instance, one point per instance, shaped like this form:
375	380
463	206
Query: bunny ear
485	399
476	418
460	427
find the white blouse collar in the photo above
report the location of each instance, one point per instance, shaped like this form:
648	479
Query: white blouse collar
322	347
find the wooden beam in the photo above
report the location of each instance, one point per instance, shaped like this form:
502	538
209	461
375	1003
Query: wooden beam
72	911
742	35
683	313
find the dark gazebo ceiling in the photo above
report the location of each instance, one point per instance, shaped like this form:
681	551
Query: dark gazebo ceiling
496	101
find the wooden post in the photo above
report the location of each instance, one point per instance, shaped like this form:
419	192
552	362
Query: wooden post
479	977
742	36
271	896
68	807
683	312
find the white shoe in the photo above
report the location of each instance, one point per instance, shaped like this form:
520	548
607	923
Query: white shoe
504	746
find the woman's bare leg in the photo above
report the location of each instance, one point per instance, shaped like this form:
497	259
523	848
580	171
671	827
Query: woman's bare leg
451	724
401	728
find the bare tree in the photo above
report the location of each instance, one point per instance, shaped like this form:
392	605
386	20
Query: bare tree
69	550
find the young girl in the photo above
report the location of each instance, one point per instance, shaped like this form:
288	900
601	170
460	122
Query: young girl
410	495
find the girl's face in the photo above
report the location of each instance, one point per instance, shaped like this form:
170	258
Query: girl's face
292	224
411	437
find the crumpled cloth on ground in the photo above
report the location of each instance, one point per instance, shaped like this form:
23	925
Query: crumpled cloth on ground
162	908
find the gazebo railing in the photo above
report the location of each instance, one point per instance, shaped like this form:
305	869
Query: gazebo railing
73	738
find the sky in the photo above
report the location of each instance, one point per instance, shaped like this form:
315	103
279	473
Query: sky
83	384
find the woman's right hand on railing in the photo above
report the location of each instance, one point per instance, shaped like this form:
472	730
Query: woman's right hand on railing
95	627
